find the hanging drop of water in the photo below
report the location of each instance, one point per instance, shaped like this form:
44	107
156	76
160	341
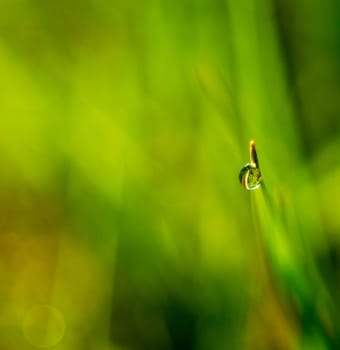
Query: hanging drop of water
250	175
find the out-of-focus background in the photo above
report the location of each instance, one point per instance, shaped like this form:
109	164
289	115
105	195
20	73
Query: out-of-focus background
124	125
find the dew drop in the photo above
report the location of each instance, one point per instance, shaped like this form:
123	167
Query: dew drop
250	177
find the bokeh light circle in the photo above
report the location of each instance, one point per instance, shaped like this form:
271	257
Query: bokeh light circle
43	326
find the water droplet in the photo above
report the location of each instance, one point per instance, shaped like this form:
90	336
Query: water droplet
250	175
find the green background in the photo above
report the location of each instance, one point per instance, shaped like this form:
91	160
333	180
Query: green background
124	125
